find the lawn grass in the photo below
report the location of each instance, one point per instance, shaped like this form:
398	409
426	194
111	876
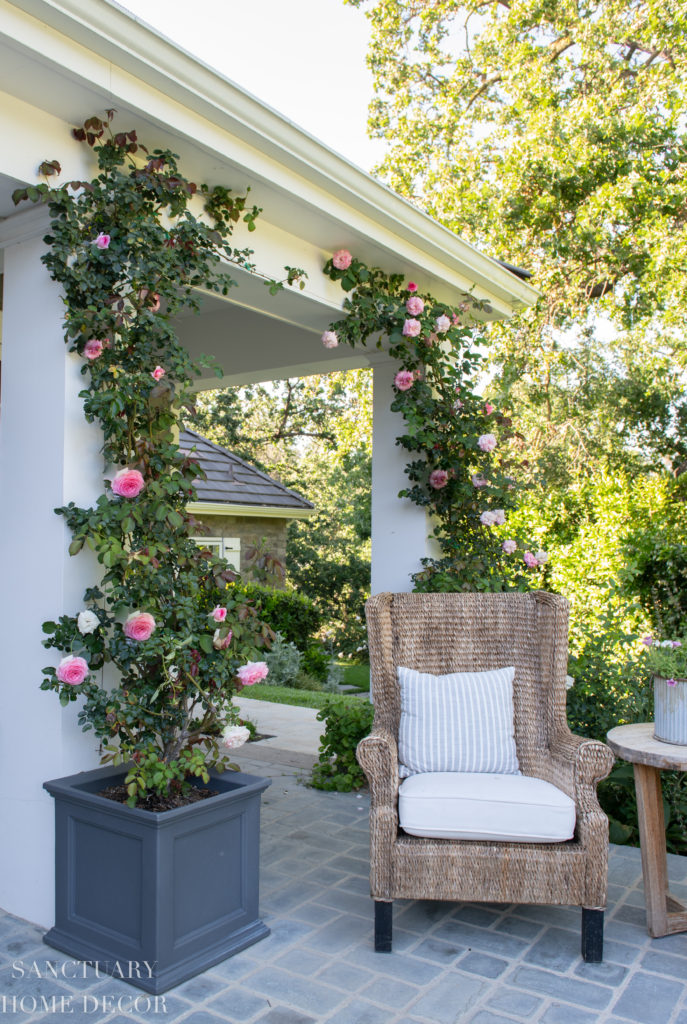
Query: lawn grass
356	675
300	698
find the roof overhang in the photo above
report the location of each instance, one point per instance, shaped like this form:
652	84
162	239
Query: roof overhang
222	508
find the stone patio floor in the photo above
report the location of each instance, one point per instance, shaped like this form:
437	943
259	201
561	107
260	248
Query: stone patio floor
472	963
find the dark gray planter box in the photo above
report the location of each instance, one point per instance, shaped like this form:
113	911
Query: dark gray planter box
160	896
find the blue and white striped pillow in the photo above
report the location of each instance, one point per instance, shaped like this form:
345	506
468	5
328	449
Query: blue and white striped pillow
462	722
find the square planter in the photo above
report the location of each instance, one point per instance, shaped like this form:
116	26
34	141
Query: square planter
156	898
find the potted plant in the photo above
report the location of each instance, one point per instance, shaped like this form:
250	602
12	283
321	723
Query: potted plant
157	852
667	661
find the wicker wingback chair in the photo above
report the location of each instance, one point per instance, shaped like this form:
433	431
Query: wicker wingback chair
443	633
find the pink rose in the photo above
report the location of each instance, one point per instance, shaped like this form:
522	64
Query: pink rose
488	408
235	736
411	286
530	560
102	241
128	483
154	305
478	480
404	379
648	641
509	546
158	372
219	613
342	261
438	478
457	405
330	339
676	643
487	519
411	328
487	442
72	670
219	642
415	305
252	672
93	348
442	324
139	626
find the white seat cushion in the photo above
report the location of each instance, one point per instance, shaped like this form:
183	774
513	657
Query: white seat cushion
478	805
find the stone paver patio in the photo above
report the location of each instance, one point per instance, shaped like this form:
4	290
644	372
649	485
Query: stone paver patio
478	964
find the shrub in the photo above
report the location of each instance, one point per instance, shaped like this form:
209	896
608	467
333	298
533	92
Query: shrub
338	768
283	662
296	617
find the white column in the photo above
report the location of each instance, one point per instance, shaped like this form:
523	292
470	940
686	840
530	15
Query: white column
49	456
399	528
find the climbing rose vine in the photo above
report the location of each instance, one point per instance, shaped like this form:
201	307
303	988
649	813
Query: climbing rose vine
129	254
460	472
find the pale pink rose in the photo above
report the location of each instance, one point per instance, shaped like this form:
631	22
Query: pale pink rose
487	519
478	480
72	670
219	642
139	626
342	260
219	613
158	373
411	328
530	560
455	319
488	408
253	672
442	324
438	478
499	517
411	286
457	405
542	556
102	241
509	546
404	379
415	305
235	736
487	442
128	483
154	305
330	339
93	348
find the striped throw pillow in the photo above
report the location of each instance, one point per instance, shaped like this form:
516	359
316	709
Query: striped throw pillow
462	722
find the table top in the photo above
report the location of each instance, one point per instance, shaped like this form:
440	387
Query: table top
636	743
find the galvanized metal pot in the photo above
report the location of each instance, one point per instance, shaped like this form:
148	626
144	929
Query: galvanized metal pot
670	710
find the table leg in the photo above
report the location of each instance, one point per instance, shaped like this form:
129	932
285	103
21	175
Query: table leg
664	913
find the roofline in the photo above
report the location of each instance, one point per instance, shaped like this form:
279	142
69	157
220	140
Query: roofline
226	508
122	38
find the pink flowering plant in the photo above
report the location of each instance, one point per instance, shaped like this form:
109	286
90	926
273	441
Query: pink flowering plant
459	439
129	254
665	658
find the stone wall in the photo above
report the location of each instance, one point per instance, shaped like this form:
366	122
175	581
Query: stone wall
252	531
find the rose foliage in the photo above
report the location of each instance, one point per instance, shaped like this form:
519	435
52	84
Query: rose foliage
128	251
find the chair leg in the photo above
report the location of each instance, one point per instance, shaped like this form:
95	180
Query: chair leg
383	916
592	935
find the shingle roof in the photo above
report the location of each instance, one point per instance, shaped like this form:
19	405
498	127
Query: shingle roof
231	480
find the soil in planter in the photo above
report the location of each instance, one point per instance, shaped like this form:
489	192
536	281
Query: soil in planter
157	803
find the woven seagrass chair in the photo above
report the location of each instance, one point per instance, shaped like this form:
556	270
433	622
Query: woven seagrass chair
445	633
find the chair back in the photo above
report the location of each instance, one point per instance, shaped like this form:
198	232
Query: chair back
443	633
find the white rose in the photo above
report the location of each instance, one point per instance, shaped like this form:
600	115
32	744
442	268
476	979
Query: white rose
541	556
235	736
173	673
87	621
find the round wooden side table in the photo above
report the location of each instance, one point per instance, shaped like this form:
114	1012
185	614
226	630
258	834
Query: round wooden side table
665	914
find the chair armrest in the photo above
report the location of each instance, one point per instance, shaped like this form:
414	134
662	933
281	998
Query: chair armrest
378	757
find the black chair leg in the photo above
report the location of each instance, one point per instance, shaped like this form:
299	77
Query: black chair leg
592	935
383	912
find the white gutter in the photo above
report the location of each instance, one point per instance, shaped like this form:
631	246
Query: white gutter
221	508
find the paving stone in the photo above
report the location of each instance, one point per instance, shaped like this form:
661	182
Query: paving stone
620	952
345	976
482	964
477	915
395	965
312	913
550	984
556	950
238	1004
519	927
303	994
360	1012
201	1017
438	951
284	932
670	944
487	1017
558	1013
665	963
396	995
649	999
449	999
351	903
604	973
302	961
520	1004
236	967
479	938
631	915
282	1015
200	988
